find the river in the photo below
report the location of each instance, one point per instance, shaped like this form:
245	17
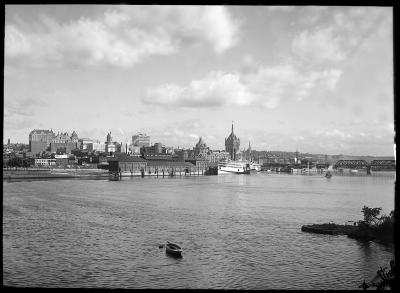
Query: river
237	232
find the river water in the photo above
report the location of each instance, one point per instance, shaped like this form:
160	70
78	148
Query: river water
237	232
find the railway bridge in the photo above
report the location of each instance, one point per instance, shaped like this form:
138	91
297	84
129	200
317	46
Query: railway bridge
374	165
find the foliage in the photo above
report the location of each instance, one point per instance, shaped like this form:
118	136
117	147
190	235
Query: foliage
374	226
18	162
371	215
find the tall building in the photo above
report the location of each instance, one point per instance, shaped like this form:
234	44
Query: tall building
141	140
247	154
154	149
41	135
64	143
39	140
96	146
232	144
61	138
111	147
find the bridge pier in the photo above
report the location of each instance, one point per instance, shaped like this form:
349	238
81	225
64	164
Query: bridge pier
368	169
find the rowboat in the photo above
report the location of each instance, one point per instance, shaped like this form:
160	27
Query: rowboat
173	249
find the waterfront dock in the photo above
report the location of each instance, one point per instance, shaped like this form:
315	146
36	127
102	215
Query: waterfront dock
44	173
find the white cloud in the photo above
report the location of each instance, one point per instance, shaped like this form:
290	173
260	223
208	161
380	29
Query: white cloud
319	46
114	18
22	107
264	87
341	38
297	138
281	8
122	36
15	42
216	89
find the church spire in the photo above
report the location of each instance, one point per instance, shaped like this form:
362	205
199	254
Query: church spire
232	126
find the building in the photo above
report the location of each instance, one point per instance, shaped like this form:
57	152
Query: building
200	163
169	167
247	156
110	146
36	147
44	162
41	135
39	140
42	140
74	137
216	156
96	146
84	142
135	149
232	144
63	147
61	138
181	154
165	157
154	149
126	163
141	140
201	150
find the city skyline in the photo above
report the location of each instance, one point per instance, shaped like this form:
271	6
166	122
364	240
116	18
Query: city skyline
317	79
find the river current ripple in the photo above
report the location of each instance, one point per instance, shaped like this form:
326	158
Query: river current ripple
237	232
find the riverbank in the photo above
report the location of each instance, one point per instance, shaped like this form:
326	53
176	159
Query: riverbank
21	174
359	232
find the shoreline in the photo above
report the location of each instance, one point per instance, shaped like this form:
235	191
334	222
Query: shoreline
29	174
53	174
351	231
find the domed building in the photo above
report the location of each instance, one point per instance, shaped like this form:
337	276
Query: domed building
232	144
201	149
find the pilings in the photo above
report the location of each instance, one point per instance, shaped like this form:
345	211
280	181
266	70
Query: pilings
169	172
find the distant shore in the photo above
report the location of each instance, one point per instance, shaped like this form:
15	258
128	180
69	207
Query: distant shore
72	173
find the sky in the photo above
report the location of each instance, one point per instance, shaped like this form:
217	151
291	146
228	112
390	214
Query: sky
314	78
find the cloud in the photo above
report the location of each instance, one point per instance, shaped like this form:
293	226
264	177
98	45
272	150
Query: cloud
281	8
319	46
267	86
15	42
338	40
122	36
215	90
23	107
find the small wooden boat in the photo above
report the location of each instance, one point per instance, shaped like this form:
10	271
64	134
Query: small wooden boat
173	249
328	174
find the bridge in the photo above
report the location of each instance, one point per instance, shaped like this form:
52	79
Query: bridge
375	165
351	164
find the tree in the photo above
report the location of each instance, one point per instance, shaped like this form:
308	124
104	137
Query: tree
371	215
18	162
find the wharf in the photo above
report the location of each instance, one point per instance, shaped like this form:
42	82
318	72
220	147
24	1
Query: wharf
52	173
171	173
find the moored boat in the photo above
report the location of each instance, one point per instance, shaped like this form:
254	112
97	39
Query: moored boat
255	167
235	167
173	249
